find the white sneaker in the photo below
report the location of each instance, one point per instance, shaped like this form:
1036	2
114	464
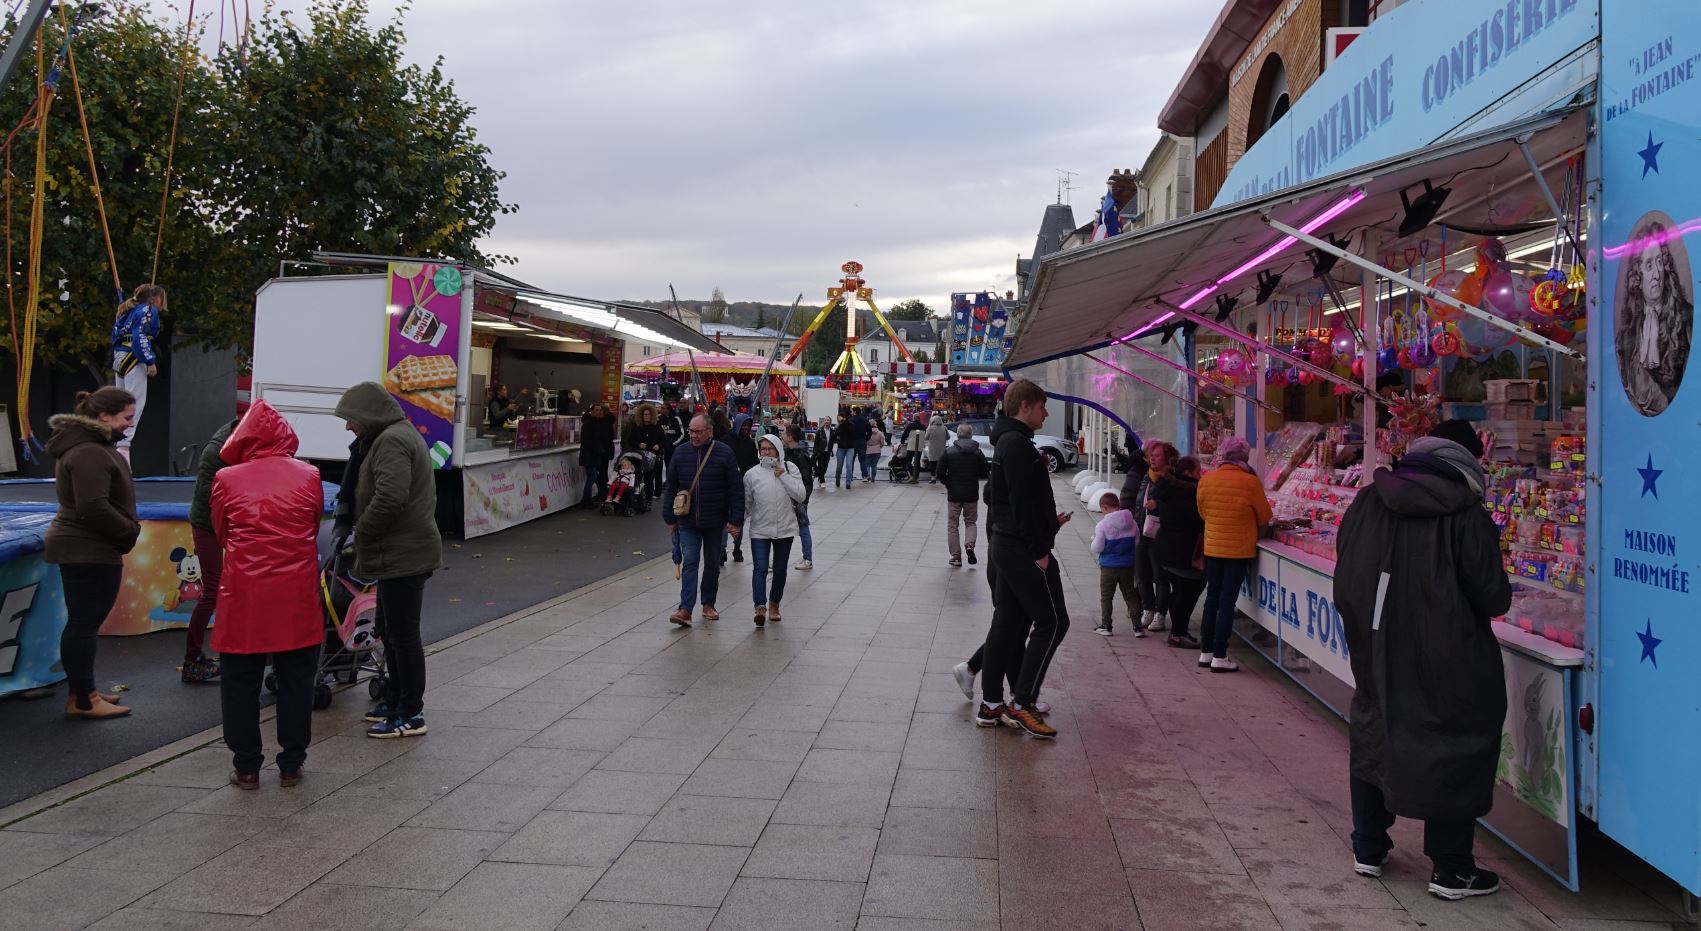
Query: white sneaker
1205	660
1159	623
965	680
1224	665
804	564
1145	619
1139	634
1042	707
1103	630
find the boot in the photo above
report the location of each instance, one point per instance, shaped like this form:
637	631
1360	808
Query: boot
761	616
99	708
774	612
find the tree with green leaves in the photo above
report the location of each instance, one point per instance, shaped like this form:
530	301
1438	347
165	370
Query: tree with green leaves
909	310
826	345
318	136
761	317
939	353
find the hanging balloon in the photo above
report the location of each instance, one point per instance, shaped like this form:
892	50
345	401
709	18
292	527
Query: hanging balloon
1307	379
1295	376
1560	333
1507	294
1322	353
1482	339
1404	359
1462	286
1231	362
1387	359
1358	369
1275	376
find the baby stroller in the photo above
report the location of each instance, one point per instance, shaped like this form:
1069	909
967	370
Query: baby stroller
352	645
900	468
628	493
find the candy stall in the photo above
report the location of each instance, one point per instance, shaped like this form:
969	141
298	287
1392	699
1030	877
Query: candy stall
1501	248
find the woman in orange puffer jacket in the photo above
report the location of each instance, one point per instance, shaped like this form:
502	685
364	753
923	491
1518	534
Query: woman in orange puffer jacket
266	511
1236	513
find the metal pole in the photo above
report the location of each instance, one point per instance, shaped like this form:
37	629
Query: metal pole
696	377
1257	346
1422	290
1196	376
1117	368
762	383
22	38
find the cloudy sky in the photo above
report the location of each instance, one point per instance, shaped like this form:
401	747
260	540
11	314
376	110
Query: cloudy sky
756	145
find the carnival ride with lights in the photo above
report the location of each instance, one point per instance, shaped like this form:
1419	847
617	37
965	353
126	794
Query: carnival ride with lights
848	373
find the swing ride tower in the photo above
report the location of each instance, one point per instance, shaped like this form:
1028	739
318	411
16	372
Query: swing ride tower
848	373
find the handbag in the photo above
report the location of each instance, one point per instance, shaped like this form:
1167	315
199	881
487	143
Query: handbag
1150	528
682	500
1199	552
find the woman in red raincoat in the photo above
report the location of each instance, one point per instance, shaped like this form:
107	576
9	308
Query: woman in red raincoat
266	511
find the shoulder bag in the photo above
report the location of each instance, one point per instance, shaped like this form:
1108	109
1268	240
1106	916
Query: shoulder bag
682	500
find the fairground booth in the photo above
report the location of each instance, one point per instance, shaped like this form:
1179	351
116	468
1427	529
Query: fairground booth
1478	211
726	378
450	341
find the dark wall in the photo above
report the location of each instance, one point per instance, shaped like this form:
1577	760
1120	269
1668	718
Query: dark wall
557	371
193	394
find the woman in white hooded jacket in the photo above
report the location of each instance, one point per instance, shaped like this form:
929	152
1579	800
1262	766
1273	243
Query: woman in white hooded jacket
772	488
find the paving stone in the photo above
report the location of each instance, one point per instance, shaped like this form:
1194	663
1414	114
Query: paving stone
206	768
744	743
482	806
631	708
465	698
510	896
637	916
23	854
522	711
345	822
584	734
66	898
173	843
940	832
933	887
861	735
797	851
1065	866
410	777
1274	827
945	788
671	874
430	859
270	800
833	805
249	879
1331	918
1196	846
347	908
783	905
540	766
1506	910
110	810
654	755
877	923
1074	912
619	793
1293	876
156	919
484	745
741	778
858	767
701	819
1176	900
572	838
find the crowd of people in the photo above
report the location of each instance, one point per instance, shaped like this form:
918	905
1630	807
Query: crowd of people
1425	717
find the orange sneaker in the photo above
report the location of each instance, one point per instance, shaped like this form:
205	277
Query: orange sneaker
1028	720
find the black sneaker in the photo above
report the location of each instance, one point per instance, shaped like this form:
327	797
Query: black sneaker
379	713
990	717
972	559
1453	887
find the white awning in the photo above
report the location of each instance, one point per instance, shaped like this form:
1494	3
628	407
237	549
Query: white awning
1096	296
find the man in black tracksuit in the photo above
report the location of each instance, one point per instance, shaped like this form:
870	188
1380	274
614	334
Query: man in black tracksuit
1027	599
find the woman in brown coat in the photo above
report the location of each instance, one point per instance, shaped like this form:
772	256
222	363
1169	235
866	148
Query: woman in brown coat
94	528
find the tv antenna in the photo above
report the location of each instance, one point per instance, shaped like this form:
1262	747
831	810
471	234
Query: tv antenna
1065	185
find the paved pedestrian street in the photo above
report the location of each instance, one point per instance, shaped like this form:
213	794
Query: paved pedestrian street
590	767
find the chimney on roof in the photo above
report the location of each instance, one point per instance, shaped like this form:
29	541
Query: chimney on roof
1123	186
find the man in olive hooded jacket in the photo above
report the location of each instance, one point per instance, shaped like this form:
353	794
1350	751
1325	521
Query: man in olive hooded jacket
395	542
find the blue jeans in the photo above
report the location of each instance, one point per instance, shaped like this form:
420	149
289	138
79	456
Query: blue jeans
1223	579
808	542
870	464
846	471
761	550
700	546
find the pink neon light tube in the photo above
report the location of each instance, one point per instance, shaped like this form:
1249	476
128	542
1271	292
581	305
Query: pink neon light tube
1281	245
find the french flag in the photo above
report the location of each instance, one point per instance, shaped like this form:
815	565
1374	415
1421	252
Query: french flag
1110	223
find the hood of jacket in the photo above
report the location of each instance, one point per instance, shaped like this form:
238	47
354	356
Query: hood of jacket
369	407
768	439
73	430
1006	424
1424	486
738	424
966	442
262	434
1455	455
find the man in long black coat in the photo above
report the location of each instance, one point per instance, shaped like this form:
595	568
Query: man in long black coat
1419	578
596	451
